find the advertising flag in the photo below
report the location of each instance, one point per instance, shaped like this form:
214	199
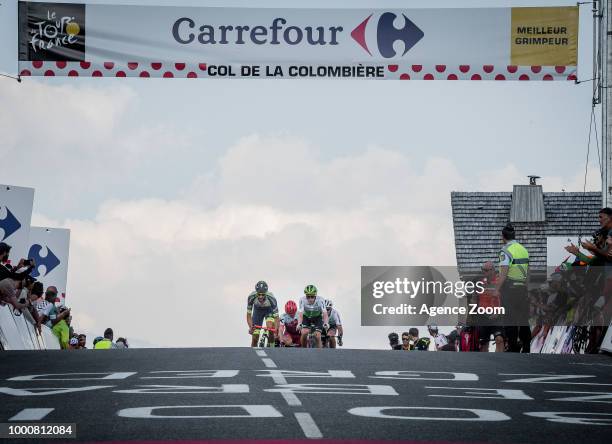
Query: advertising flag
15	215
49	247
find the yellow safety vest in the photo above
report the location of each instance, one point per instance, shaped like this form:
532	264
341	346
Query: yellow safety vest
519	261
104	344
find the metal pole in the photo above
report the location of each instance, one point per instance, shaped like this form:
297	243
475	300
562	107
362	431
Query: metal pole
607	99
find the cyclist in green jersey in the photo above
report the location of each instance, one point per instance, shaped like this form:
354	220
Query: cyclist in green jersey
312	315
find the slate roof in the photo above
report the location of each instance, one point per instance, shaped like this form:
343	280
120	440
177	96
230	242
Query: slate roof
478	218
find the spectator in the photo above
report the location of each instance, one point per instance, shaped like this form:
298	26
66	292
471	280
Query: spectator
122	343
61	328
440	340
9	291
50	314
106	342
453	339
394	341
82	341
96	340
411	340
490	325
413	333
406	344
34	298
6	271
51	294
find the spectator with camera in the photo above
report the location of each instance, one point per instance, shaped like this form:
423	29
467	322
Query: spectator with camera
20	272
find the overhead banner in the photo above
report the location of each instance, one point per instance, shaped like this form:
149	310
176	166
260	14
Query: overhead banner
49	247
15	216
68	39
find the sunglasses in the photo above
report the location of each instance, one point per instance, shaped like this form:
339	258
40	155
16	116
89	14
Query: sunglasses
310	296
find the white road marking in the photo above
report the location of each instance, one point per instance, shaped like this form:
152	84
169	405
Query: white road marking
589	363
261	353
290	398
268	362
31	415
195	411
309	427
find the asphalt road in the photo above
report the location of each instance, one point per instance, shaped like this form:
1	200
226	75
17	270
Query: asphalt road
294	394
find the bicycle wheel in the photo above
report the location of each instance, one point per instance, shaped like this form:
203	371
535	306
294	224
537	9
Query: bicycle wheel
263	340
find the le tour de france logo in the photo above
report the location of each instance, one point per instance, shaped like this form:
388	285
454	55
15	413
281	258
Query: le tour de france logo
387	34
56	31
50	260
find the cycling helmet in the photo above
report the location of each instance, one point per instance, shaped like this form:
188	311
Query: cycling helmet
329	304
261	287
290	308
310	290
433	328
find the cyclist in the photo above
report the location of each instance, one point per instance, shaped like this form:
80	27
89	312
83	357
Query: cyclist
261	306
289	334
312	315
335	325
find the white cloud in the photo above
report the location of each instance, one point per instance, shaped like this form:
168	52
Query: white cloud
73	142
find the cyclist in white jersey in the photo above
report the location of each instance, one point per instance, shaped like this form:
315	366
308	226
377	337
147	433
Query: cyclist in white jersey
312	315
335	325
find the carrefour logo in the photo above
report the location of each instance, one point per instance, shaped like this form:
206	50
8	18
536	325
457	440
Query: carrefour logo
9	224
279	31
387	34
50	260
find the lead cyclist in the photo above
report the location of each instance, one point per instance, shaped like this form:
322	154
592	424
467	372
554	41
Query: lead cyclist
335	325
261	307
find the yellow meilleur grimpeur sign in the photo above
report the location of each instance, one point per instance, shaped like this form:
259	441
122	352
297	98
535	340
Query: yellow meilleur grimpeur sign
545	36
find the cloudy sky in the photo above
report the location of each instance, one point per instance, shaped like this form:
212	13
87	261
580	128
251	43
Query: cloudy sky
180	194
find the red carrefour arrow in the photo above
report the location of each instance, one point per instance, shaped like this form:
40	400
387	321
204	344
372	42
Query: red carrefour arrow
358	34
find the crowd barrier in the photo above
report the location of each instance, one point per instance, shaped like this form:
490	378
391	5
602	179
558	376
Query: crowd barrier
18	332
607	342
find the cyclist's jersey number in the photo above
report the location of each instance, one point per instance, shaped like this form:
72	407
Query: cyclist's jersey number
311	310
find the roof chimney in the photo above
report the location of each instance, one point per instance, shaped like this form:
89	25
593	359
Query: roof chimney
532	179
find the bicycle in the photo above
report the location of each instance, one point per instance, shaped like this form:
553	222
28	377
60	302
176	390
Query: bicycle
264	335
325	340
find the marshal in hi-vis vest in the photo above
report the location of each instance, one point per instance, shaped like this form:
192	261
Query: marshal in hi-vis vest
519	261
